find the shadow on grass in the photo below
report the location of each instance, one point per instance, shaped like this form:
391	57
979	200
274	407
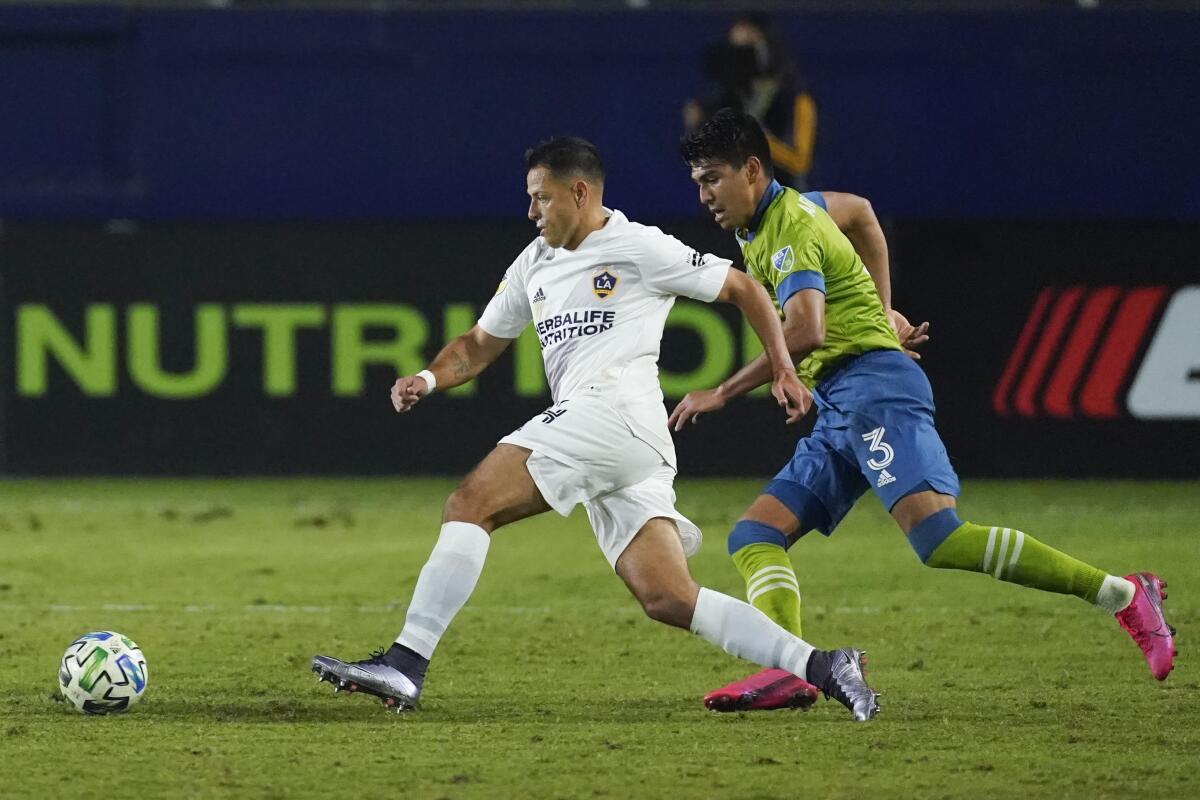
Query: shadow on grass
366	710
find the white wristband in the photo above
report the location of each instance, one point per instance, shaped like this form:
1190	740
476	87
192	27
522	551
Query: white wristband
430	381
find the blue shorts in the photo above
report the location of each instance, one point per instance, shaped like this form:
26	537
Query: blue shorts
874	430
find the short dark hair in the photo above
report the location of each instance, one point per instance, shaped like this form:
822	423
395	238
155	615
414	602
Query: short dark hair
729	136
567	157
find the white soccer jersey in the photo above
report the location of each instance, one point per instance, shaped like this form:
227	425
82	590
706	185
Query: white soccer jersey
599	312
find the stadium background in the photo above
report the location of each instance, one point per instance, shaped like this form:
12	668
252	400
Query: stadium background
222	224
225	227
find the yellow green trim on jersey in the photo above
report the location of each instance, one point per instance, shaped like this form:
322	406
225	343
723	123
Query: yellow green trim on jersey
793	244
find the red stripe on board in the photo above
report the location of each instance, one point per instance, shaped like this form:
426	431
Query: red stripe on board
1017	358
1064	381
1055	326
1099	396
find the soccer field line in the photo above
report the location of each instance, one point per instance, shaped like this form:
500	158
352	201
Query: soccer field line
393	608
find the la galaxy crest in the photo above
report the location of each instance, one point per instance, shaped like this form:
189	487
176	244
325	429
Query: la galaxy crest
604	282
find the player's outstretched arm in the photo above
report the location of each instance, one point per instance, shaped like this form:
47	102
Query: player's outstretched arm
775	364
755	304
803	331
457	363
856	218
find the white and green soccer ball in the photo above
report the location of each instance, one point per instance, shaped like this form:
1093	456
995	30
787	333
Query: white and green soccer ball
103	673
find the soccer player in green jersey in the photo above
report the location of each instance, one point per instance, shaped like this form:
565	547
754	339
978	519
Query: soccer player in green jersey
874	427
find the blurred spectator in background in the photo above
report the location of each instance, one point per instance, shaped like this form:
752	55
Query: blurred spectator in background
751	71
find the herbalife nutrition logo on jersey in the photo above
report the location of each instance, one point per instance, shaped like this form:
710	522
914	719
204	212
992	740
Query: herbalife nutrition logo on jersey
573	324
784	260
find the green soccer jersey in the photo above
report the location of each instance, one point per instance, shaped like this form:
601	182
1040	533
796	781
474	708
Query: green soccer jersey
795	245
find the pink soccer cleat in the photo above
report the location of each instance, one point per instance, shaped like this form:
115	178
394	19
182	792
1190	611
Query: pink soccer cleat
1143	620
763	691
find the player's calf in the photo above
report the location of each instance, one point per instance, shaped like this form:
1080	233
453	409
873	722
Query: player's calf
654	569
670	608
944	541
759	551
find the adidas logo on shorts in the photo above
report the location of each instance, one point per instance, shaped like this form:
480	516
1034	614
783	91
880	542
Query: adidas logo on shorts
885	478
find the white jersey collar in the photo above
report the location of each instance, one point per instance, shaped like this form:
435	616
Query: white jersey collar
615	220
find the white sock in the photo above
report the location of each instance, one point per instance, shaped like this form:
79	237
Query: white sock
1115	594
445	583
742	630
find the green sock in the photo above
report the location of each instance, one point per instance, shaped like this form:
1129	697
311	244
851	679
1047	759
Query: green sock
1011	555
771	584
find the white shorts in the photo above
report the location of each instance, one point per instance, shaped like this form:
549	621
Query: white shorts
583	451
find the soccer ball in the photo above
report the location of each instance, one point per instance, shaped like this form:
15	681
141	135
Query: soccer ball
103	673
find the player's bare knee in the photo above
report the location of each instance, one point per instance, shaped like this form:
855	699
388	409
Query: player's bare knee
911	510
770	511
666	609
466	505
670	607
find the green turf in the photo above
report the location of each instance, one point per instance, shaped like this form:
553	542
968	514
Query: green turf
551	683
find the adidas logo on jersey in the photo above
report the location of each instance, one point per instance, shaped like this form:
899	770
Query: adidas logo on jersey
539	296
885	478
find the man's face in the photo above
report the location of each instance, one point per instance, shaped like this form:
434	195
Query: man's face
552	206
727	192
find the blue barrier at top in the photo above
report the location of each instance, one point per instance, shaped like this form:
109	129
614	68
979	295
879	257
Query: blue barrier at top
233	114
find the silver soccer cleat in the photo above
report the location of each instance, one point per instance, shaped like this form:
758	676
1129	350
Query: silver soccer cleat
848	684
372	676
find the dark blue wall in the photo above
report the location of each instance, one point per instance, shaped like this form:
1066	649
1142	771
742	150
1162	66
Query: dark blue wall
276	114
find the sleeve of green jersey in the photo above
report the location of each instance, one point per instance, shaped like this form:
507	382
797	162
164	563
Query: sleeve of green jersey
797	266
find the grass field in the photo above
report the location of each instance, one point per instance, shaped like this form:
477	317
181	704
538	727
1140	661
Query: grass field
551	683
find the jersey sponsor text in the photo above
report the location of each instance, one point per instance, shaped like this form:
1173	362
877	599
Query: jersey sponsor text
570	324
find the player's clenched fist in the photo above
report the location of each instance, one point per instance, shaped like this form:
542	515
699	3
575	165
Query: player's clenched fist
407	391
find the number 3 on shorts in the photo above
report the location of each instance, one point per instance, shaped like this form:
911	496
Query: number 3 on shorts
878	445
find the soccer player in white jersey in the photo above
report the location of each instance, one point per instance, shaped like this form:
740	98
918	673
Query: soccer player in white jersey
597	289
